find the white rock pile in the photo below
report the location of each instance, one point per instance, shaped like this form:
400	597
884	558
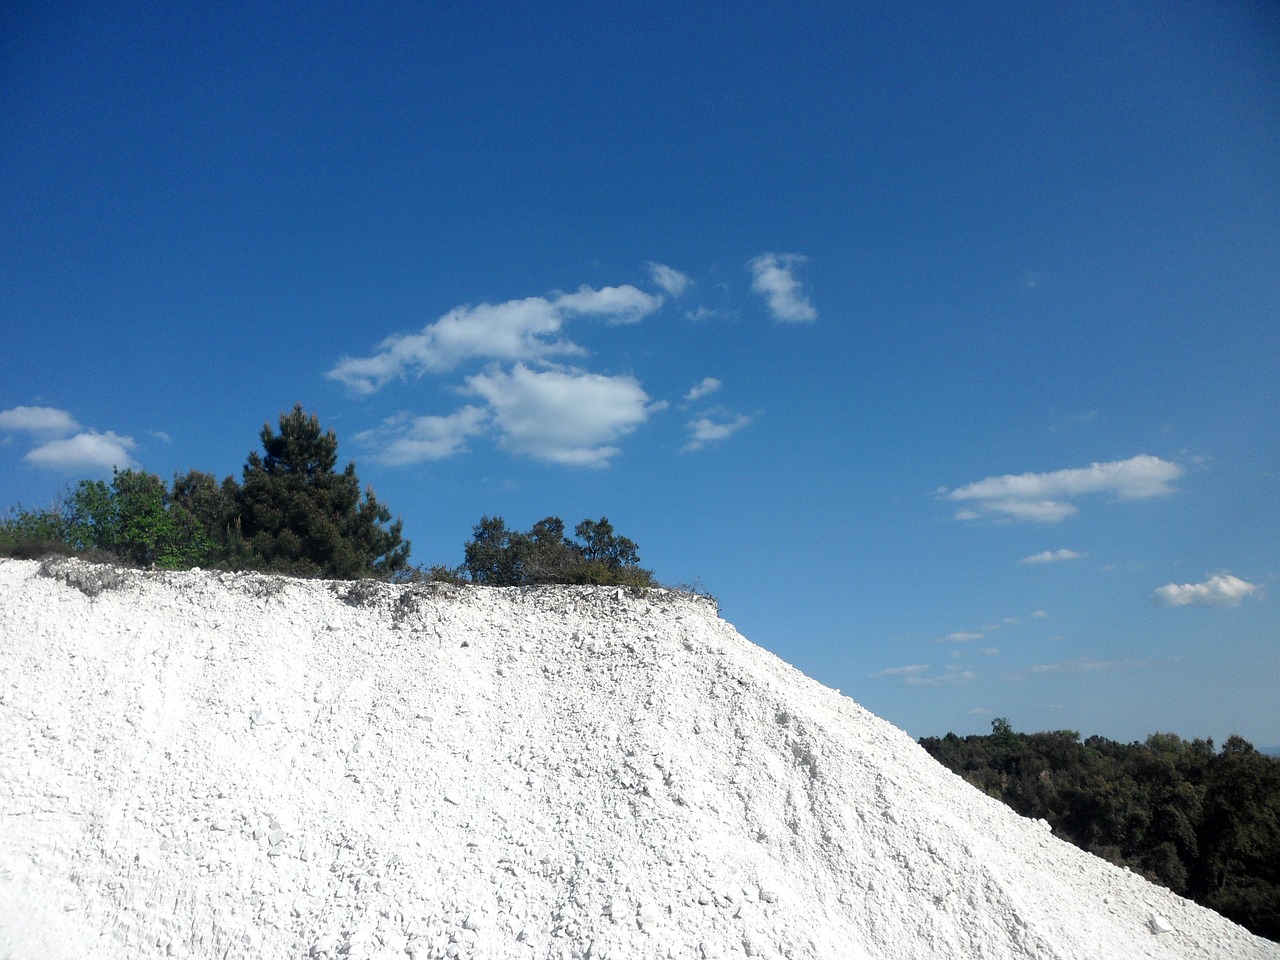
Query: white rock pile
238	766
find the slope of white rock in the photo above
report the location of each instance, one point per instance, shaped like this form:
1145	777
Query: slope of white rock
226	765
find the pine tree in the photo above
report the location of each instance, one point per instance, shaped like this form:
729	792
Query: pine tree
297	514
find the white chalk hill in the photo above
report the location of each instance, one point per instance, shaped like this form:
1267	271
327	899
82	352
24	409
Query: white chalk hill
232	765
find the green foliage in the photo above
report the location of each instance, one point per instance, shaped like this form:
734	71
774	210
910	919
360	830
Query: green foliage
1205	825
600	545
296	514
493	556
135	520
500	557
31	533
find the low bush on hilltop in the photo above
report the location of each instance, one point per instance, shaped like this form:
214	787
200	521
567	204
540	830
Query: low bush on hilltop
509	558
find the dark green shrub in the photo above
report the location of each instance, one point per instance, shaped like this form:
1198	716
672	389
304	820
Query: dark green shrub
499	557
294	513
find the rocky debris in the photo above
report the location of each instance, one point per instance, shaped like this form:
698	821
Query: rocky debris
231	765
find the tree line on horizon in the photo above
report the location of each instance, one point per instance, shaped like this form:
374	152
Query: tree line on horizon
293	512
1204	823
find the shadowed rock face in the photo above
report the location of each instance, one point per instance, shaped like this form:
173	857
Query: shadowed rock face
233	765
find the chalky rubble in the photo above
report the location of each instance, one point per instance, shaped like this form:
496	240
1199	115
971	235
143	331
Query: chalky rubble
231	765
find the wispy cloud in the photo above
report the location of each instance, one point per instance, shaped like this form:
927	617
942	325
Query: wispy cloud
403	438
961	636
708	386
1222	590
712	426
1047	496
668	278
774	279
907	671
979	711
703	313
948	679
1089	665
1052	556
1031	279
513	331
562	414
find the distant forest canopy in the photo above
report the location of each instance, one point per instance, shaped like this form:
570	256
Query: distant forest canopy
1204	823
294	512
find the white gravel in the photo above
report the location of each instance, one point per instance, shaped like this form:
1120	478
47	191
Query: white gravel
230	765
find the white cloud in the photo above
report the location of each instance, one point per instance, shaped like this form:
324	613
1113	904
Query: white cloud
1052	556
979	711
910	670
618	305
703	429
88	451
709	385
702	313
1088	665
668	278
943	679
961	636
1045	496
1222	590
406	439
85	450
773	279
514	331
562	414
41	421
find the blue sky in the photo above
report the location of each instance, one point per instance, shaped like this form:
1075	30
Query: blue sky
940	345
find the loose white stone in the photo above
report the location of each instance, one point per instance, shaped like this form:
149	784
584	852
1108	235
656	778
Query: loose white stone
510	818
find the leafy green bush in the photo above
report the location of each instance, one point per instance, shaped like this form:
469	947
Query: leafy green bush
500	557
